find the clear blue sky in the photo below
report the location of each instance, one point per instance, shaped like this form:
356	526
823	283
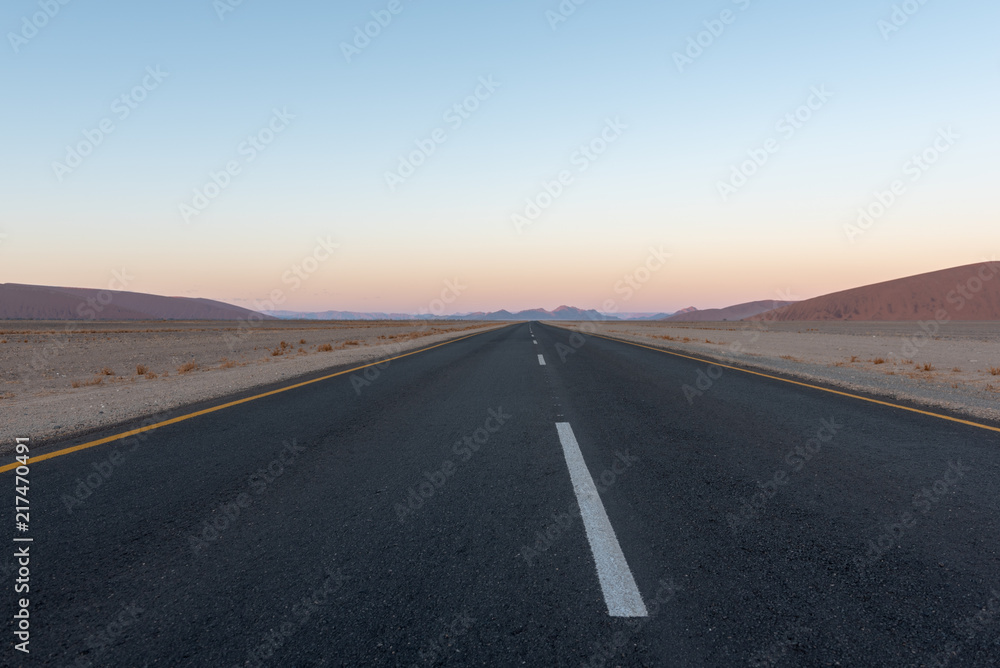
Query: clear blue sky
657	184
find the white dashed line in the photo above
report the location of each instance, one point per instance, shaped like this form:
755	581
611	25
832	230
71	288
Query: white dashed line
535	342
620	592
541	361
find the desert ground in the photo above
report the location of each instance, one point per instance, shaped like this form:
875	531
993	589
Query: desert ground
955	366
59	378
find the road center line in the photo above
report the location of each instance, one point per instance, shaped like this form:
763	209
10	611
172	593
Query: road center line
541	361
535	342
620	592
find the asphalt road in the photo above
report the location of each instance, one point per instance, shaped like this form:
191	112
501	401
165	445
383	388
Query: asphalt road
431	515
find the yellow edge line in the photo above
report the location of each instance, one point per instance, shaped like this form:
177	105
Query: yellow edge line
181	418
796	382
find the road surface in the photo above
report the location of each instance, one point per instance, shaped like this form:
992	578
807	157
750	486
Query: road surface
524	496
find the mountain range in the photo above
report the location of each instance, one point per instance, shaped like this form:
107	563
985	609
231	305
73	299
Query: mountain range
961	293
561	313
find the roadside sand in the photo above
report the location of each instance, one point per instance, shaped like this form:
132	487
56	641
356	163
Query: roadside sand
184	362
958	367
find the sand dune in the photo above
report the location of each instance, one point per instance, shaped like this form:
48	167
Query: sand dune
736	312
38	302
967	293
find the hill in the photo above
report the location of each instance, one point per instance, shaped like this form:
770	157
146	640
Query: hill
39	302
970	292
736	312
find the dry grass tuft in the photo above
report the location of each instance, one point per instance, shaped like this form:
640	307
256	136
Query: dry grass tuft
302	342
141	369
995	370
854	358
928	367
185	368
325	348
878	360
96	380
227	363
106	371
956	370
151	375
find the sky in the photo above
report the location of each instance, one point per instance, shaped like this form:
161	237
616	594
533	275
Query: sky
629	156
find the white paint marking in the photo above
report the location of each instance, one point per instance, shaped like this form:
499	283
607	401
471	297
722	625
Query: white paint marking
535	342
541	361
620	592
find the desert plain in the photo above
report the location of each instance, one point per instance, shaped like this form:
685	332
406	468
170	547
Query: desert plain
951	365
60	379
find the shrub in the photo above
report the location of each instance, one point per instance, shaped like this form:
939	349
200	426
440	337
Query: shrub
325	348
189	366
995	370
141	369
106	371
